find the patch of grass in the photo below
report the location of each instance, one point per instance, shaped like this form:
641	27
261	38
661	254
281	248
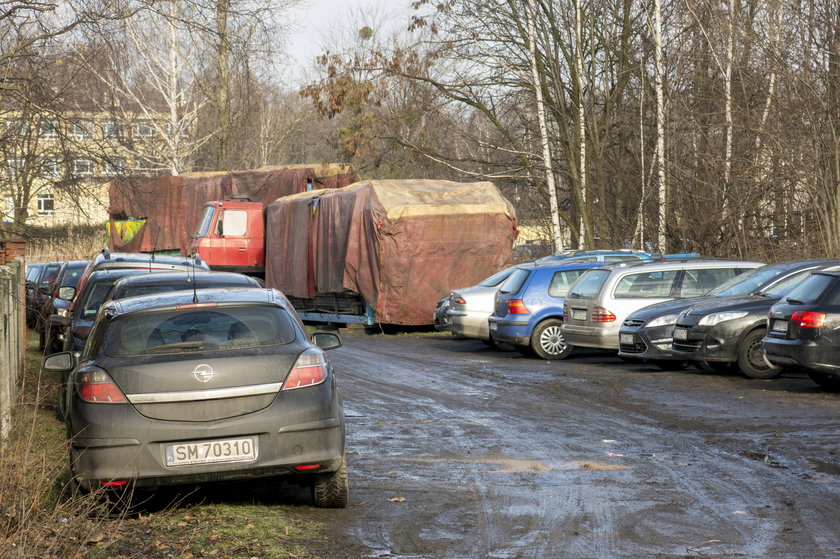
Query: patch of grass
211	530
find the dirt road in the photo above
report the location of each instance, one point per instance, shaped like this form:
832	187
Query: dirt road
459	451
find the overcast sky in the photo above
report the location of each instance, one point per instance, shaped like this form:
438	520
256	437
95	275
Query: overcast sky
316	20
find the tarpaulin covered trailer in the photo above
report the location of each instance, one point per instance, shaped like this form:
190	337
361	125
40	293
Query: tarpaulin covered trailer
161	213
384	251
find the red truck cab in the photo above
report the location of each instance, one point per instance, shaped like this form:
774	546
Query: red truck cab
231	236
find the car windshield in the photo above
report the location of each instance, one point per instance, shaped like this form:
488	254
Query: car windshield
497	278
72	276
747	283
589	283
811	289
198	329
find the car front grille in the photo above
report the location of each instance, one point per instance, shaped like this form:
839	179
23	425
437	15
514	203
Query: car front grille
634	323
687	346
638	346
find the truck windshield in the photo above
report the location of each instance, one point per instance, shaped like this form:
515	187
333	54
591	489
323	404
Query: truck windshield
206	221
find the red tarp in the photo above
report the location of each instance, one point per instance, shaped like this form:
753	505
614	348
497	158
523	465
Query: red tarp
172	205
400	244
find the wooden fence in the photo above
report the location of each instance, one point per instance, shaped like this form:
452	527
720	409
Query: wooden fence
12	327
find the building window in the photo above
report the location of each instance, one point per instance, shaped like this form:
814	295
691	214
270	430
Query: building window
80	130
50	168
114	166
144	129
112	129
14	168
83	167
48	129
46	204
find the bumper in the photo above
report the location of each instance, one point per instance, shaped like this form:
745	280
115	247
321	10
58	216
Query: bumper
133	448
511	332
589	336
703	343
646	343
801	354
469	324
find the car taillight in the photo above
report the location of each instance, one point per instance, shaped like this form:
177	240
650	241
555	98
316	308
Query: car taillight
600	314
310	369
97	387
516	306
808	319
459	300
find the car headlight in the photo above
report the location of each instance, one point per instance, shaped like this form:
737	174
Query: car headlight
718	317
666	320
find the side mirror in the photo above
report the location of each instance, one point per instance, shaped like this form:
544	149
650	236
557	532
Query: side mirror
66	292
61	362
326	340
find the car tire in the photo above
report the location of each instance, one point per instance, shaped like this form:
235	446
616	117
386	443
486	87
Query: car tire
42	339
752	360
829	382
547	341
331	490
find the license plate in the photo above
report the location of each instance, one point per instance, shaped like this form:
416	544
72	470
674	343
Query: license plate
680	334
780	326
578	315
625	338
211	452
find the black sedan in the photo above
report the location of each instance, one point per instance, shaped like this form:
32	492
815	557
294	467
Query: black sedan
194	387
731	330
804	328
647	333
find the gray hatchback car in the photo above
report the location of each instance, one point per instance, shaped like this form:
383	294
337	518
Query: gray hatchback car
194	387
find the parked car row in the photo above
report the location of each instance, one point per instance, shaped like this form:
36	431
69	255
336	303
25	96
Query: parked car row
716	313
174	374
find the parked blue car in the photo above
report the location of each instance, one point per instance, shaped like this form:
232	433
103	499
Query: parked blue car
528	309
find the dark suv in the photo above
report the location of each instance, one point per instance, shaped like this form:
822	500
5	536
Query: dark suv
802	328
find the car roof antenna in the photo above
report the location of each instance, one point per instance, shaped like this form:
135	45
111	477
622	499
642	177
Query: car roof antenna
195	291
154	248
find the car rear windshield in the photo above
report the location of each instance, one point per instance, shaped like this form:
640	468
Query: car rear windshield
135	290
516	280
589	283
496	278
200	329
562	281
811	289
646	285
783	287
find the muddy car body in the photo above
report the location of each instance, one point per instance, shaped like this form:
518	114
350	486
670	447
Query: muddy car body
731	329
803	329
174	388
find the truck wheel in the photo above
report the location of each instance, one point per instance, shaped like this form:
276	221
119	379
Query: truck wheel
752	360
331	490
547	340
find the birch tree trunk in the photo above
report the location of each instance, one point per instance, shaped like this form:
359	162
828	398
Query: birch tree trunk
660	127
585	239
556	233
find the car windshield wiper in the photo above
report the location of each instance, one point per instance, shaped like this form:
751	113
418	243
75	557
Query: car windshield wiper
177	345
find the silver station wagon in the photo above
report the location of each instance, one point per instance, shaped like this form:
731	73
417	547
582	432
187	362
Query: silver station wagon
200	386
601	299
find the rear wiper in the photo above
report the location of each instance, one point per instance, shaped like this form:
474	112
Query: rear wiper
794	301
177	345
573	294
